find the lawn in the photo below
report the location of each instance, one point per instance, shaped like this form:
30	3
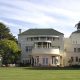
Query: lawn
34	74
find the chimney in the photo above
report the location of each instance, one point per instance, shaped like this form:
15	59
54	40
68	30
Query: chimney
19	31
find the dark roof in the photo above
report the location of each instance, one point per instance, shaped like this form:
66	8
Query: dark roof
78	31
41	32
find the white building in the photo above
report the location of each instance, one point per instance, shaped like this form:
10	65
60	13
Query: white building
72	49
47	47
42	47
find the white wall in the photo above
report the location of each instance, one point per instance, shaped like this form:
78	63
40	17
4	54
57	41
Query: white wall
69	45
22	39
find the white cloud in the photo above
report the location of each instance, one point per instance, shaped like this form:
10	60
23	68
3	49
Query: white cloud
35	12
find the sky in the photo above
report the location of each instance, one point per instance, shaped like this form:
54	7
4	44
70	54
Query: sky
61	15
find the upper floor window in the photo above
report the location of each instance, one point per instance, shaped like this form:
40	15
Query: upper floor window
74	42
29	48
36	38
74	49
42	38
59	47
49	38
32	39
78	49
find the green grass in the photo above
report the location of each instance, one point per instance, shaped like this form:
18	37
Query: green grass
34	74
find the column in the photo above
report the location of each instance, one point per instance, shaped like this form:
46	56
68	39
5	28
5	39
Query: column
61	61
47	45
42	44
35	45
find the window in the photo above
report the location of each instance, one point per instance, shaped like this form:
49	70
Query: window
49	38
43	38
45	60
76	59
72	59
79	59
74	49
78	49
37	59
52	59
59	47
28	39
26	49
74	42
36	38
53	38
29	48
31	38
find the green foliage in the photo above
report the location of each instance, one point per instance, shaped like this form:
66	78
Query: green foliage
9	51
5	33
8	45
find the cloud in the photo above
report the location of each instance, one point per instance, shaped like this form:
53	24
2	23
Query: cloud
24	14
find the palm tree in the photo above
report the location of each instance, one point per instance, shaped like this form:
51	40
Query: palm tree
78	25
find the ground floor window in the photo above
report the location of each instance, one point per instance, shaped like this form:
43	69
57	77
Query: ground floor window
79	59
45	61
76	59
72	59
54	60
26	61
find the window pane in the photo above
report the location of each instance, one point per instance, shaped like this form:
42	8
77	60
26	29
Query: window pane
72	59
46	60
76	59
43	60
74	49
78	49
52	59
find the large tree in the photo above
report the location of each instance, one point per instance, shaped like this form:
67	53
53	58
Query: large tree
9	50
5	33
78	25
8	47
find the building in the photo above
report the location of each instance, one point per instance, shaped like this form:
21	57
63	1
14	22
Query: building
72	49
48	47
42	47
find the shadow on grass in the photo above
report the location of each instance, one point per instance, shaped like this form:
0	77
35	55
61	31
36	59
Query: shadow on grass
52	68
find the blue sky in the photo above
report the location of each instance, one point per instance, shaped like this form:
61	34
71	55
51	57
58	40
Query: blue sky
61	15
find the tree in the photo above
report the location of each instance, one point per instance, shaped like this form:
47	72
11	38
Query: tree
9	50
5	33
78	25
